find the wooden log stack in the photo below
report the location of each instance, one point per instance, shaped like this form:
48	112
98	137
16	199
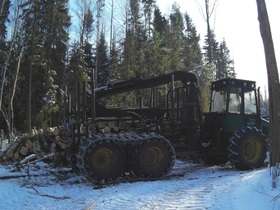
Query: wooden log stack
124	125
53	141
58	140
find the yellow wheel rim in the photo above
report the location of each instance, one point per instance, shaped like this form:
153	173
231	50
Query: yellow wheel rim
252	149
103	159
152	157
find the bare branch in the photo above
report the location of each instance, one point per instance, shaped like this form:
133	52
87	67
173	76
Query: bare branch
2	6
201	10
215	5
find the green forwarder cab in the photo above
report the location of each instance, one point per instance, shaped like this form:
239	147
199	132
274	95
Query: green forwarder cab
233	129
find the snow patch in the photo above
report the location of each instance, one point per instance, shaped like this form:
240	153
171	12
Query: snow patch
188	186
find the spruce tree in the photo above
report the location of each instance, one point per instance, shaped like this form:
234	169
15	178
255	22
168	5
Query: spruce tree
114	66
99	10
56	21
89	58
212	55
76	73
32	54
86	26
4	13
148	10
159	21
134	64
45	37
5	54
6	46
102	61
224	64
160	59
192	57
175	37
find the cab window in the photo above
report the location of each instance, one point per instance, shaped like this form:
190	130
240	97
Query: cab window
235	100
218	101
250	102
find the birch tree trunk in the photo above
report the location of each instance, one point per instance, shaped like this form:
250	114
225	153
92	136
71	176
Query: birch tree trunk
11	103
111	26
273	88
8	116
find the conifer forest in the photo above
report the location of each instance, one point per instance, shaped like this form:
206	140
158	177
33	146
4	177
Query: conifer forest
47	47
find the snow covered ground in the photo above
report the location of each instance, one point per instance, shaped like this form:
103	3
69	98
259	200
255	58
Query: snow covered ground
188	186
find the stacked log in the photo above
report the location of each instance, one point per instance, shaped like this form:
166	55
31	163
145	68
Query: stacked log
105	126
57	141
41	144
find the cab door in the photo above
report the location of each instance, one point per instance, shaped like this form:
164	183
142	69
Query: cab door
235	117
250	108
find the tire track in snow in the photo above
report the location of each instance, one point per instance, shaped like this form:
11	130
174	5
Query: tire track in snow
188	186
8	198
199	190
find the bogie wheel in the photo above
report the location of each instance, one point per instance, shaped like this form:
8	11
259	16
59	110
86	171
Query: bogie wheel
247	148
104	160
154	157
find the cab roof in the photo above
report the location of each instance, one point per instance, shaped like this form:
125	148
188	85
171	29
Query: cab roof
232	82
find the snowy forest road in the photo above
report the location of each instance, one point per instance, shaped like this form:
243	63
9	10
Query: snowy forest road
188	186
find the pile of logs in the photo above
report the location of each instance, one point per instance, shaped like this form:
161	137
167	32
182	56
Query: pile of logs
54	141
116	125
109	127
57	141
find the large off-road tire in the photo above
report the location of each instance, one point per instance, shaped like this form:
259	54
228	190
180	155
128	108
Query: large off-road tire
247	148
104	159
153	157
